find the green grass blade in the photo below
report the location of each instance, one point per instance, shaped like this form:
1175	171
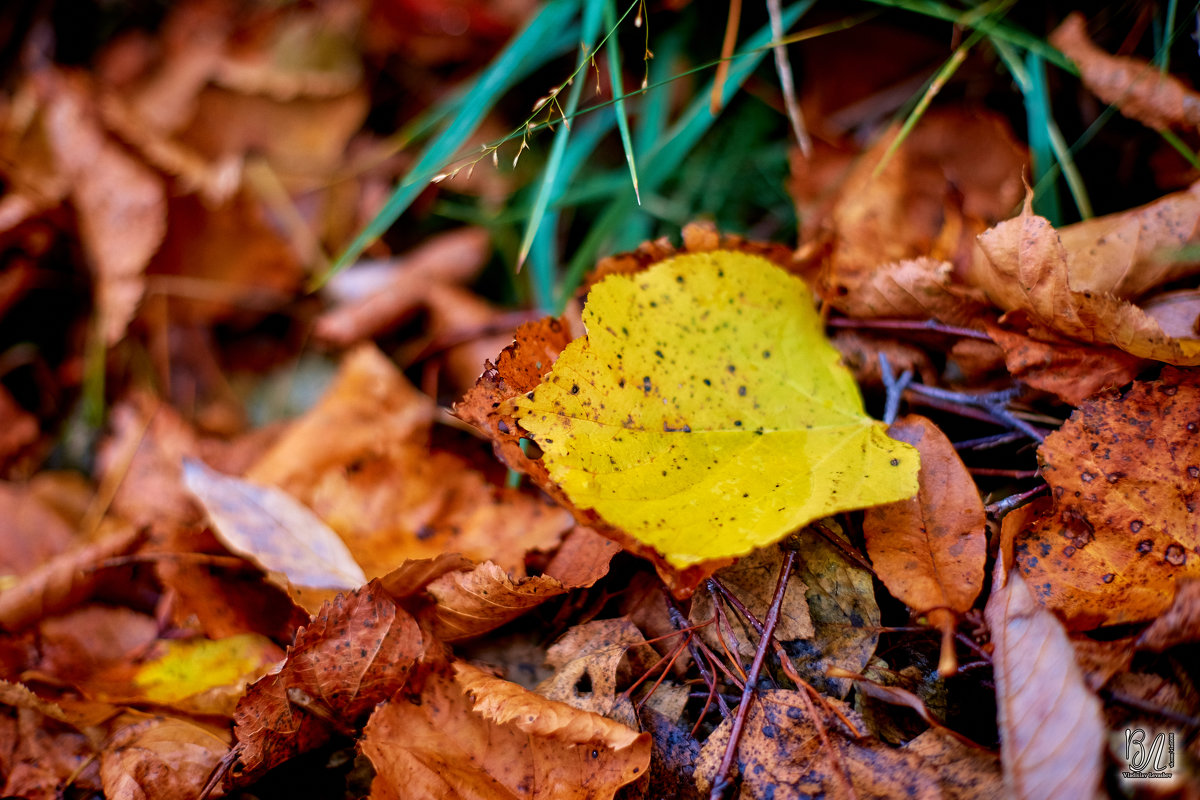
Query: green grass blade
618	90
1041	150
987	25
541	39
543	280
664	160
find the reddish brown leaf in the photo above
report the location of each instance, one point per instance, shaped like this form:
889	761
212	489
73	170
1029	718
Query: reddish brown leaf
160	757
1070	371
965	772
582	558
65	580
506	743
482	599
931	550
1137	88
1120	531
1048	717
34	532
355	653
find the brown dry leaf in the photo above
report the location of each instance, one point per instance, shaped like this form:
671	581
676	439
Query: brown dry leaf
1064	280
415	574
360	459
474	602
582	558
587	663
891	233
219	262
1137	88
965	772
33	532
356	652
899	696
781	756
65	580
39	758
1069	370
752	580
269	528
1120	530
77	646
398	288
931	550
1179	624
503	744
120	203
1051	729
160	757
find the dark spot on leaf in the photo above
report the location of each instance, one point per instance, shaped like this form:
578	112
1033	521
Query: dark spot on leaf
741	391
1086	476
737	423
1145	546
1108	577
1193	472
895	462
658	353
574	388
731	368
529	396
1135	526
646	384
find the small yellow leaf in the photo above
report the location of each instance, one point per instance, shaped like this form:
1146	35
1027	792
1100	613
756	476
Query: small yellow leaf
706	414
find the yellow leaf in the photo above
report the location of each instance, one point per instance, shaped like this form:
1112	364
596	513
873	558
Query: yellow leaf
706	414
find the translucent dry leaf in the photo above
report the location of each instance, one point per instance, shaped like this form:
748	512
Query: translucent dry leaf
273	530
1051	730
705	414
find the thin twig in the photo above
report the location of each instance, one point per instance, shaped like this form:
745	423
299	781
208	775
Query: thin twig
999	508
721	782
680	622
924	326
895	388
985	442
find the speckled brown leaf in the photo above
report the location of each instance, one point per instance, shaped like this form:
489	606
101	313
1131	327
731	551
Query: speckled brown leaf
1136	87
505	743
1051	730
1069	370
781	756
965	772
148	757
1122	525
844	613
1068	281
356	652
930	551
482	599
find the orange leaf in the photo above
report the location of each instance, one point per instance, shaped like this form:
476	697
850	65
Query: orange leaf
506	743
1048	717
930	550
1120	530
482	599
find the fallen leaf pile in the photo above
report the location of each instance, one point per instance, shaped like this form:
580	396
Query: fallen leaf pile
395	540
